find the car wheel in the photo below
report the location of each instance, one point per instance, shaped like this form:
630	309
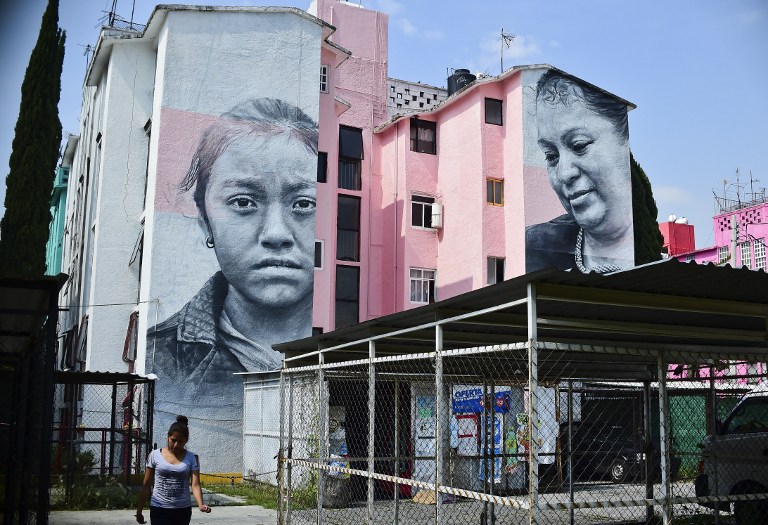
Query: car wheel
750	512
618	470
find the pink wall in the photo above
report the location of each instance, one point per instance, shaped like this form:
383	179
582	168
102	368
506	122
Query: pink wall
752	223
361	82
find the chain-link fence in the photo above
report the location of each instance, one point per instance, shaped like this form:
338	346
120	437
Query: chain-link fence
101	436
366	441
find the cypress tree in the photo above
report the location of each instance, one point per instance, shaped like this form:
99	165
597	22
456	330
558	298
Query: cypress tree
35	151
648	238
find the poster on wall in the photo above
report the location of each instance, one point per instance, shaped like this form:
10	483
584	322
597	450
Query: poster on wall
233	224
577	172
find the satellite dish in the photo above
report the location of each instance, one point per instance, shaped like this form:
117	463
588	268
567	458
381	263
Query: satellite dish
682	220
672	218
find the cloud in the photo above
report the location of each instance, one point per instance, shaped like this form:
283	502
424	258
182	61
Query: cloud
390	7
749	18
406	26
486	57
409	29
674	199
554	44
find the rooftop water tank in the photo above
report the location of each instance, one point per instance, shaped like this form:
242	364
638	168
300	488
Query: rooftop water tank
459	79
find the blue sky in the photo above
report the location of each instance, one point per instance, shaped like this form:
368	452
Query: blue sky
696	69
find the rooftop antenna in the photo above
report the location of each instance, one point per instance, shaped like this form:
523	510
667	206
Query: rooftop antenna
506	41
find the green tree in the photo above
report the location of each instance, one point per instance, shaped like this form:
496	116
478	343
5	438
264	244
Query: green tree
24	227
648	238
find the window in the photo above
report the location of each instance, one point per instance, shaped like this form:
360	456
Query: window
322	166
347	295
759	254
323	78
348	229
421	211
722	254
399	95
392	88
350	158
422	285
423	136
495	270
494	192
746	254
319	252
751	416
493	109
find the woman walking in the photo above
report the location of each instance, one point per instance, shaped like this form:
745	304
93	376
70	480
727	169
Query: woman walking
170	469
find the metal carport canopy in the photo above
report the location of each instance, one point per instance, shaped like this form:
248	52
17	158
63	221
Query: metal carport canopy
613	326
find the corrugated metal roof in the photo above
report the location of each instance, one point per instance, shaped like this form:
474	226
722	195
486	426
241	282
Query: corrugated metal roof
664	306
100	378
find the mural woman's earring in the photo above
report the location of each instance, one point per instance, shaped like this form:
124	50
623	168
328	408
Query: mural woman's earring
209	241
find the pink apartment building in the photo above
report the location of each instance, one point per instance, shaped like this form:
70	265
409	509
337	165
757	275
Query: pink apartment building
497	180
739	225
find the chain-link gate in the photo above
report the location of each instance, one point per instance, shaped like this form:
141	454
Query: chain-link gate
102	434
521	432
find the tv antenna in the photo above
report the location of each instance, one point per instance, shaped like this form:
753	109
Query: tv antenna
506	41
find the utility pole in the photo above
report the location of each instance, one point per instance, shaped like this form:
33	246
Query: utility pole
734	238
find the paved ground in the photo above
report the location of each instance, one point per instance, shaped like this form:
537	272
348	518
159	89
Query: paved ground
251	515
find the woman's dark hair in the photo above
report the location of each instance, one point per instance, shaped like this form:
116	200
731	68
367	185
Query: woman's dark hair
254	117
555	87
181	425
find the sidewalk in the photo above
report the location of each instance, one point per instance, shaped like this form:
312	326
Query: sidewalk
228	515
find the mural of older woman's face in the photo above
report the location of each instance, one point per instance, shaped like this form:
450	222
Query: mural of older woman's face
588	166
260	205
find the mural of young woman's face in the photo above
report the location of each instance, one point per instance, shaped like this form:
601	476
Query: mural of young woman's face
588	166
260	204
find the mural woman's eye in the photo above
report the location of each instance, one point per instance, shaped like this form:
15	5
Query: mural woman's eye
304	205
580	146
242	202
551	158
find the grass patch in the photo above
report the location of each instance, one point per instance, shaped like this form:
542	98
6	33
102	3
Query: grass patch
252	493
265	495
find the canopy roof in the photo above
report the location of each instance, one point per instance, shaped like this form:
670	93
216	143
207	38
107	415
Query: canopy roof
613	326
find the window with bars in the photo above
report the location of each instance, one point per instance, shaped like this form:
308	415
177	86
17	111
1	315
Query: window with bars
494	192
495	270
422	285
423	136
347	295
350	158
348	229
759	254
421	211
323	78
746	254
722	254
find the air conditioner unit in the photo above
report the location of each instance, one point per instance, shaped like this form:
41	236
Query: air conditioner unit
437	216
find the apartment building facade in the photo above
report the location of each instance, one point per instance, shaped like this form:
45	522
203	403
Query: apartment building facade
400	210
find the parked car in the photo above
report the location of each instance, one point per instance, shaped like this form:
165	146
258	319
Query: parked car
735	460
602	451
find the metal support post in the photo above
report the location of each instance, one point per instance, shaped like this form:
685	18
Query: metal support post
713	443
129	438
281	454
570	450
112	425
533	409
648	449
371	424
321	437
438	422
666	489
396	470
289	453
